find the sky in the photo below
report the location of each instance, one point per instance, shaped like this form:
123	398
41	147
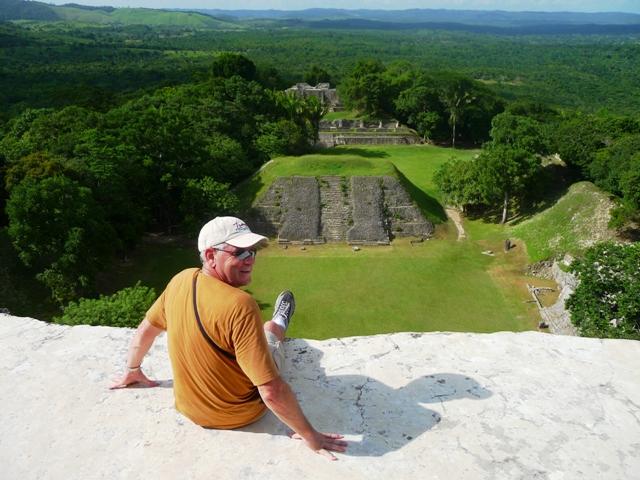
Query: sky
632	6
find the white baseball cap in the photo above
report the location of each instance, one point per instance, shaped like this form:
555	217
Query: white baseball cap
229	230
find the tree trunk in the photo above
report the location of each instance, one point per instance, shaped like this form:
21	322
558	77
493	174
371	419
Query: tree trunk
505	206
453	138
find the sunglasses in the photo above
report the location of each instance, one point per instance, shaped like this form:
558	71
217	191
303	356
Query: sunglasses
240	254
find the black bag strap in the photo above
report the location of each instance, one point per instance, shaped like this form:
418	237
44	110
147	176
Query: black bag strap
213	344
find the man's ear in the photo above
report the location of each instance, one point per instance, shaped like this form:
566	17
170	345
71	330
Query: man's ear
210	254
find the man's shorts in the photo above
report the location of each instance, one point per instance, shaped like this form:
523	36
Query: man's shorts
277	352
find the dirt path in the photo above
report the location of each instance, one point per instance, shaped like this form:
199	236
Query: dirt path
454	215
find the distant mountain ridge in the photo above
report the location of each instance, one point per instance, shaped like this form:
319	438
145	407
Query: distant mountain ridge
476	21
497	18
534	29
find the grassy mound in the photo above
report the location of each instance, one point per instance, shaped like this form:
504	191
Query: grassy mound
414	165
347	163
578	220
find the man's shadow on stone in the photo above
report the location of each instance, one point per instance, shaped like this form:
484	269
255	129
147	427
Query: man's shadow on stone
376	418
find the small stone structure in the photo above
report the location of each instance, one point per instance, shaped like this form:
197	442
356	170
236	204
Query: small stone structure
360	132
358	210
328	96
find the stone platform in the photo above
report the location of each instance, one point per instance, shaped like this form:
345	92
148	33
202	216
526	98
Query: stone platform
413	406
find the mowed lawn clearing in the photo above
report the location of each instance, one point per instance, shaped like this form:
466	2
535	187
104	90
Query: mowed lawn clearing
434	286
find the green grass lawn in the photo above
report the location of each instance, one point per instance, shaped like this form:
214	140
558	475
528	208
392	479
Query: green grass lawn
438	285
435	286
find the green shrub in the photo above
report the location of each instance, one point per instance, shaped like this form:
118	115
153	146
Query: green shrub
125	308
606	302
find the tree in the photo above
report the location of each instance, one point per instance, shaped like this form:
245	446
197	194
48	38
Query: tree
228	64
365	89
630	183
283	137
203	199
504	174
457	93
606	301
419	107
519	132
577	137
457	180
611	163
535	110
58	229
316	75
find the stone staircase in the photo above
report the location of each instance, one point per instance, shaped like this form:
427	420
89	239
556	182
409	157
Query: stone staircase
335	199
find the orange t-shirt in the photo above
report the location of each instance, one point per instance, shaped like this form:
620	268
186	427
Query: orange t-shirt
210	388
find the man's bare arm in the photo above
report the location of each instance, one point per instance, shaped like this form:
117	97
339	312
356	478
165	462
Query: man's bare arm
280	399
140	345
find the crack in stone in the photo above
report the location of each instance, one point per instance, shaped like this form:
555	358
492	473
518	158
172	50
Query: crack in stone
361	389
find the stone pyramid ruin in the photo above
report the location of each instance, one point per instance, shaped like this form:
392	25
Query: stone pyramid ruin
358	210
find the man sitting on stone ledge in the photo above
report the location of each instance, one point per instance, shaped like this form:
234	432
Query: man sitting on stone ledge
225	361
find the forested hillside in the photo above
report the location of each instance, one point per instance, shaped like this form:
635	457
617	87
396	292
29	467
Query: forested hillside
73	63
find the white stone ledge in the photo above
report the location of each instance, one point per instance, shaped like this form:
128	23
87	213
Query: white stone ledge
415	406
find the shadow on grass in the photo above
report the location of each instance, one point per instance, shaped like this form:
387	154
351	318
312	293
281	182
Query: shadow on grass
375	418
552	185
430	207
361	152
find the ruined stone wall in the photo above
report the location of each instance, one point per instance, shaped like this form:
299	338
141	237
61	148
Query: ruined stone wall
333	140
328	96
362	210
557	315
360	132
404	217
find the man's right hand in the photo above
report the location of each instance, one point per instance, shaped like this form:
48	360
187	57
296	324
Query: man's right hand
324	443
137	377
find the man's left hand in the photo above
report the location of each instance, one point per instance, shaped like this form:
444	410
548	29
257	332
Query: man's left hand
137	378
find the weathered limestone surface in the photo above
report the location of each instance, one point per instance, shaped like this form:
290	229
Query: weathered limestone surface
368	211
558	316
414	406
405	218
301	216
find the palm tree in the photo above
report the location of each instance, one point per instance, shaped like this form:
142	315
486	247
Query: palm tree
456	94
